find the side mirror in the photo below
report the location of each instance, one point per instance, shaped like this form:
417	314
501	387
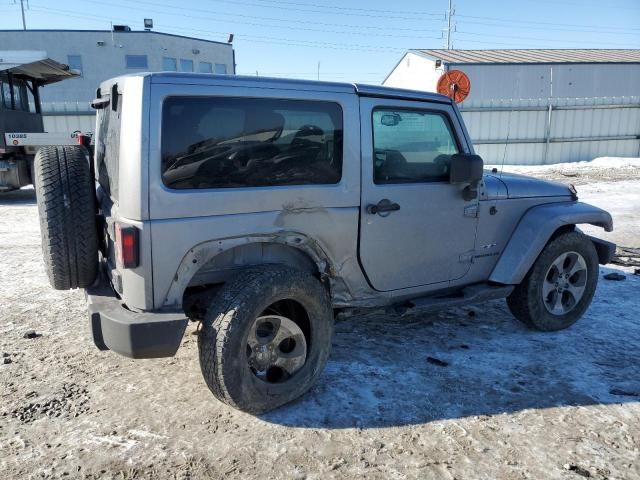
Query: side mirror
466	169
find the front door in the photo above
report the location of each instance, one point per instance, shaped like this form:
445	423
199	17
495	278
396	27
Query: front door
416	229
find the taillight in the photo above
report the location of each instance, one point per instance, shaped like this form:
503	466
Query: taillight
84	140
127	246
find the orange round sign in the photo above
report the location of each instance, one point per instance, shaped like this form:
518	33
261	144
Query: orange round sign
454	84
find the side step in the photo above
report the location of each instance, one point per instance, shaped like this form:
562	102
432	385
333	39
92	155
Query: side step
468	295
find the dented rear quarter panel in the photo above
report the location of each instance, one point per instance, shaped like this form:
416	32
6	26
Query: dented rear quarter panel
187	221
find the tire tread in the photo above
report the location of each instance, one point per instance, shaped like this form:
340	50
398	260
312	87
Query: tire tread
66	205
220	325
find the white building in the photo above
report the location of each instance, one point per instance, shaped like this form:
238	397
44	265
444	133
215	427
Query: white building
539	106
499	74
101	54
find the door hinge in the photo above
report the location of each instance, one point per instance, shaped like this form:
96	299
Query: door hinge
471	211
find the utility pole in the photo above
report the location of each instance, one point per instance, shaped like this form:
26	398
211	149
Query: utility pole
450	13
24	21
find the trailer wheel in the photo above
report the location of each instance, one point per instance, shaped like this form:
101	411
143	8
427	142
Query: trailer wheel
66	205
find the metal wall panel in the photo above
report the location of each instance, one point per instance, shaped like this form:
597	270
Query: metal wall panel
542	130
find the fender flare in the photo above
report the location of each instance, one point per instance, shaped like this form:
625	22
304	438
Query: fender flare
533	232
201	254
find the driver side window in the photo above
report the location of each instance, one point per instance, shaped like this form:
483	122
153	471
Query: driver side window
411	146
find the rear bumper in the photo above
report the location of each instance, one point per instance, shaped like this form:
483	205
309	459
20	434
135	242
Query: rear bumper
152	334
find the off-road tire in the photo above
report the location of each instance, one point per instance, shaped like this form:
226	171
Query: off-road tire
224	330
66	205
526	303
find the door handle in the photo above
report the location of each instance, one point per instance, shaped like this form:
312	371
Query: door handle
383	206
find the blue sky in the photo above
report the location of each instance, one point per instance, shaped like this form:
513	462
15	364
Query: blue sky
353	41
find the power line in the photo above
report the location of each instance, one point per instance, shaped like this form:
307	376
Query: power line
546	29
258	24
546	24
334	7
286	41
517	37
247	37
592	5
313	44
261	17
414	15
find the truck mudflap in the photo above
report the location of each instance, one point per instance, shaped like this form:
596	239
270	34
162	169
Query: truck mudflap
152	334
606	250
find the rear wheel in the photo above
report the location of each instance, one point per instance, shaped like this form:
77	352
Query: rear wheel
66	206
265	338
560	285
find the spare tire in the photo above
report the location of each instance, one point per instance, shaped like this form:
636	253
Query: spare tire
67	206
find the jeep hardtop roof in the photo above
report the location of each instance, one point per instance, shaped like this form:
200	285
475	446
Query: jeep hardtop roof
286	83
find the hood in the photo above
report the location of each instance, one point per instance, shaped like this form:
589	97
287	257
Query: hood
522	186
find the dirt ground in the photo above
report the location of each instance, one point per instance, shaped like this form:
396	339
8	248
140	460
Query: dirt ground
504	402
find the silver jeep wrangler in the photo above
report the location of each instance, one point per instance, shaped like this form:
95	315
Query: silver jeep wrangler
262	207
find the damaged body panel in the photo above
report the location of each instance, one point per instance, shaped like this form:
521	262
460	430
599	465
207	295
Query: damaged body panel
327	253
376	193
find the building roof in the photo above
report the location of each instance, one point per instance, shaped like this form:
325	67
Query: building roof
533	56
119	32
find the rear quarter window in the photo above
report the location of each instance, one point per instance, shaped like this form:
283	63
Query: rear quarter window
216	142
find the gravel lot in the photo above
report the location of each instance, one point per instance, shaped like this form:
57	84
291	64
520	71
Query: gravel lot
503	402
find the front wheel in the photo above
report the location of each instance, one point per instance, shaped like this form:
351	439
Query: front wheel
560	285
265	338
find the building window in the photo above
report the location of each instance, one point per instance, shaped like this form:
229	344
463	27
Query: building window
136	61
221	68
206	67
75	63
186	65
225	142
169	64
